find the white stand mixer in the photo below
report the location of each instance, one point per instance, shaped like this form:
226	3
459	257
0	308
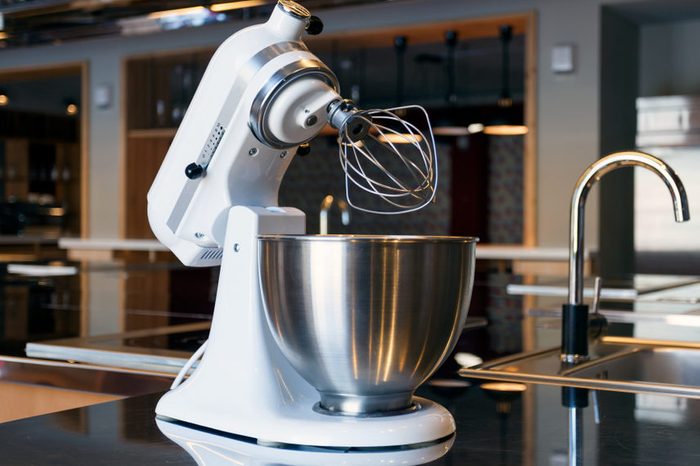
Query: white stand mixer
246	133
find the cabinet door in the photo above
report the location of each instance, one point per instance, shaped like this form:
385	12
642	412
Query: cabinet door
144	156
16	168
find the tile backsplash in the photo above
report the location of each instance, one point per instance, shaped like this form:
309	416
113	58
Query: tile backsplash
309	179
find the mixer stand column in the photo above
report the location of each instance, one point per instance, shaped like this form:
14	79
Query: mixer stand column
245	386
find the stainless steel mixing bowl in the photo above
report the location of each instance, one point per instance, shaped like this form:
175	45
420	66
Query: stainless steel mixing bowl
366	319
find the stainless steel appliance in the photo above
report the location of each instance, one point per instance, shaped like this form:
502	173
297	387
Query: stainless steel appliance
668	127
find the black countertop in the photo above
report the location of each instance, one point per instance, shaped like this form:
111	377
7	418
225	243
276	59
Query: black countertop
99	299
530	428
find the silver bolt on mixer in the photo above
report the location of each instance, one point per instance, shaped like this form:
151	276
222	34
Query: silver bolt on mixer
386	156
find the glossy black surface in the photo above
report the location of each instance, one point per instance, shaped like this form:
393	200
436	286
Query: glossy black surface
125	296
500	428
492	428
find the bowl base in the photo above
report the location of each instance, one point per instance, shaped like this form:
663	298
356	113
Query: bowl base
366	406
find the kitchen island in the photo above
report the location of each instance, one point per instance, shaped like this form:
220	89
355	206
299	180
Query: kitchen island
528	427
496	424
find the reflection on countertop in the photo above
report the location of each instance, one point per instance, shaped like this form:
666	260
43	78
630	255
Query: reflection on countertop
100	299
528	427
154	315
133	306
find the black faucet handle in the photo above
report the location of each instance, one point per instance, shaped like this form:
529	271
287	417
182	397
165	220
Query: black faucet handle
574	333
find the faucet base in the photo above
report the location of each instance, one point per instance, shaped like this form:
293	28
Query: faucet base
574	335
573	358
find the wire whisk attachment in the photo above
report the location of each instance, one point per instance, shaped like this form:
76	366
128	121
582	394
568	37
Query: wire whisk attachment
390	164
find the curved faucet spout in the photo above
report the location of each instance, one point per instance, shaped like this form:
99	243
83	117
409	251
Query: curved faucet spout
574	346
578	202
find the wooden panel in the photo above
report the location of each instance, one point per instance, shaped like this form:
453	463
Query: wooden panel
16	319
159	88
153	133
138	96
143	159
41	72
20	400
84	150
421	33
530	154
68	185
16	168
143	294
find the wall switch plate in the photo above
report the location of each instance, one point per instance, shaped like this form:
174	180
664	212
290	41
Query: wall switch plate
563	58
102	96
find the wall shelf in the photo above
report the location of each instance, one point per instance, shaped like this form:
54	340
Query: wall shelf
152	133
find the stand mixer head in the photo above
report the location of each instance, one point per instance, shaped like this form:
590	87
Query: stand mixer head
262	96
403	299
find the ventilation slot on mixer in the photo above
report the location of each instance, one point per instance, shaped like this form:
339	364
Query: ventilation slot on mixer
212	254
212	144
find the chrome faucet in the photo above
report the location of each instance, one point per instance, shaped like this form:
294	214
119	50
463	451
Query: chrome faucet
326	205
574	347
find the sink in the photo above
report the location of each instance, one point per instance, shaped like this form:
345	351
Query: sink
30	387
617	364
675	366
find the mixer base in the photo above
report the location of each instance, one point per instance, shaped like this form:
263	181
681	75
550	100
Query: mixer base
245	386
319	408
299	425
391	404
203	443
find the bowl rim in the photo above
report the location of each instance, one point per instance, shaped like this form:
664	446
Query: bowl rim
387	239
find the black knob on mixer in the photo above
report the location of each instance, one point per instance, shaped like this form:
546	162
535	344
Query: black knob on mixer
314	26
304	149
194	171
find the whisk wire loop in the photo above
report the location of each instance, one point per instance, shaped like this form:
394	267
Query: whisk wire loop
395	161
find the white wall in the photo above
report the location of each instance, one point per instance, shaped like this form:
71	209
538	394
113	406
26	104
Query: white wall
568	107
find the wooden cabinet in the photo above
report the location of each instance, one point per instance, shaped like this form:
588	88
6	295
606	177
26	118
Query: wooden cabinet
158	91
40	175
16	168
68	188
144	154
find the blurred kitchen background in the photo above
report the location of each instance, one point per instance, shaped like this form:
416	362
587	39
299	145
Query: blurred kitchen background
92	92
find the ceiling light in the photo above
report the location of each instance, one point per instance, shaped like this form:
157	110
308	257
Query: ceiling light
4	99
195	10
472	128
475	128
505	130
504	124
400	138
228	6
451	131
449	126
504	387
71	109
400	43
